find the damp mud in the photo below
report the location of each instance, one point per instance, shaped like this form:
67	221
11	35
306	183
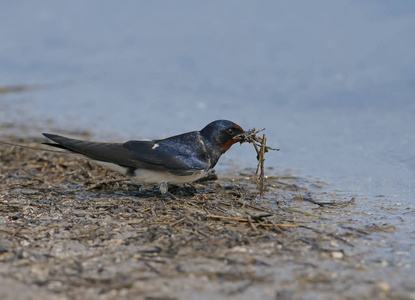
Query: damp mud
72	230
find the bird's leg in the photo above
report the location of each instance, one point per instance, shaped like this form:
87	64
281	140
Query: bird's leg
164	191
140	189
163	187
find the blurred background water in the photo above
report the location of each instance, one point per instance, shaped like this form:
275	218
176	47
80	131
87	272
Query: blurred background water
332	82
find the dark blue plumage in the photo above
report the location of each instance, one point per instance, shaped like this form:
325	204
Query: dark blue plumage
177	159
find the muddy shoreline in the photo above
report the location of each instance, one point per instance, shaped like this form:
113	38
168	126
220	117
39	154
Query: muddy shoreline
71	230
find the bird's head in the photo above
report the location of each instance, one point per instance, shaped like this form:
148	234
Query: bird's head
222	133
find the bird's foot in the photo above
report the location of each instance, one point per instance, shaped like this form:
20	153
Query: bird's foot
163	188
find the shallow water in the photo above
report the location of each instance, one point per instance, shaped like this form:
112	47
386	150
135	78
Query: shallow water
332	82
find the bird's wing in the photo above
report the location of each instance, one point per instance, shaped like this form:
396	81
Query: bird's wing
181	153
170	155
106	152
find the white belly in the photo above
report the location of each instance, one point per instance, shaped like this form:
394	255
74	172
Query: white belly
152	177
145	176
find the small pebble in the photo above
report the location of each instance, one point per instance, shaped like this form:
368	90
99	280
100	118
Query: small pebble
337	254
383	286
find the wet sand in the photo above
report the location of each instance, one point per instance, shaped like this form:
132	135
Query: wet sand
71	230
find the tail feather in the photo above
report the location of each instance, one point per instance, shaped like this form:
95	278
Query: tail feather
55	145
105	152
94	150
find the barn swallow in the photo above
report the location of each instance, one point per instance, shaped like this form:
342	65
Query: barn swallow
179	159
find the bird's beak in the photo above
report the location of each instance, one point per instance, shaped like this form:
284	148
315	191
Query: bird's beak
239	138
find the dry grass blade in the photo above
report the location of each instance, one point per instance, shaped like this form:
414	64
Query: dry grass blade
250	136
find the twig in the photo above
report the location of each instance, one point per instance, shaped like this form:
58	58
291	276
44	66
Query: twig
302	212
261	162
227	218
103	182
251	224
32	148
177	222
261	148
332	204
152	268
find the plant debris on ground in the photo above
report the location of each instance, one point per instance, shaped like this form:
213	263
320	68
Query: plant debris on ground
71	230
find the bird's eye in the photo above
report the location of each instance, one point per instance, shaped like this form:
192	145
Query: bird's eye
230	131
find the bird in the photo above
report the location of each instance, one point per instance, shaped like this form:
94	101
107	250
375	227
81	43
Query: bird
178	159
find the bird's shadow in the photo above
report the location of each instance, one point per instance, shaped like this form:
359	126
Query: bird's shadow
126	187
130	189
